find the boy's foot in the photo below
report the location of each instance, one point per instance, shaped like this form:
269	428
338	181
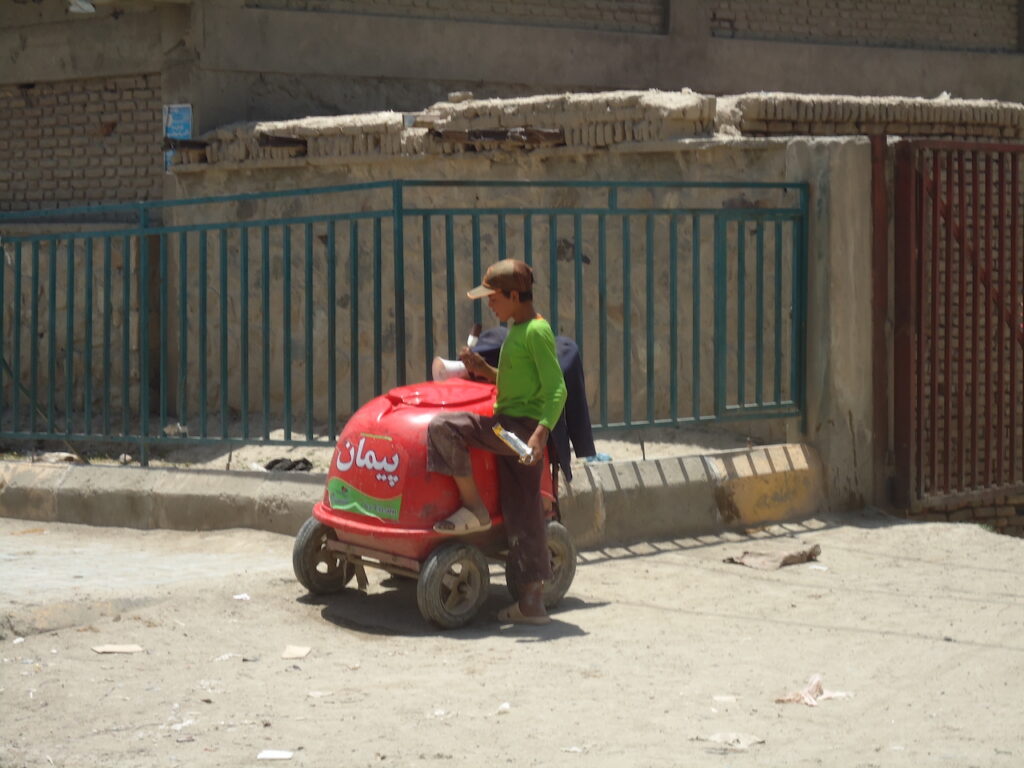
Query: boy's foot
461	522
514	615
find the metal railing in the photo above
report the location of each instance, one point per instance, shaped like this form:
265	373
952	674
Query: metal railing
271	317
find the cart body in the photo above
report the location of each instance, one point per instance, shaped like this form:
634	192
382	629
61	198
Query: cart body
380	505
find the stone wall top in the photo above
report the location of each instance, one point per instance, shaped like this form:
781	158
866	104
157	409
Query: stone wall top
767	114
462	124
582	122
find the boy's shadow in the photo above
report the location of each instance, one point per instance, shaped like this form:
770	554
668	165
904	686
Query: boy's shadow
391	609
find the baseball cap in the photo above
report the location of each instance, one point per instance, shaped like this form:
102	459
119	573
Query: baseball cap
504	275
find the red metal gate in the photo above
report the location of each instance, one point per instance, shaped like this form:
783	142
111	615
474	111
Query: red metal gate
958	380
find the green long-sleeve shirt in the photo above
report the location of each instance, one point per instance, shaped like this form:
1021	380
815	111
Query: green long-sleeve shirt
530	382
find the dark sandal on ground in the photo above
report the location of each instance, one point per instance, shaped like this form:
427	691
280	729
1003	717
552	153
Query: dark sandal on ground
514	615
461	522
288	465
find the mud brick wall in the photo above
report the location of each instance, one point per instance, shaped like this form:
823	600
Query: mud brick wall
574	121
787	114
648	16
971	25
80	142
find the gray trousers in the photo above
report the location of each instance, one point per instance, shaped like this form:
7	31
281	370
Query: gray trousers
450	436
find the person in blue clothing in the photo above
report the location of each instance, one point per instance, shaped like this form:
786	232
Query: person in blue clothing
531	394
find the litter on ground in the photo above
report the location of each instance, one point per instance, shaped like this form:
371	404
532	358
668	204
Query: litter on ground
770	561
812	693
117	648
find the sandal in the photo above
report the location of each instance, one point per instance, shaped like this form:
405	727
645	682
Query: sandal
461	522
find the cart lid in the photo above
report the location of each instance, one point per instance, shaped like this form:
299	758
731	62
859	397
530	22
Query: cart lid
438	394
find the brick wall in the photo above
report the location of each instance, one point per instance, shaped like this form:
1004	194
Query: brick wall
80	142
974	25
614	15
1005	518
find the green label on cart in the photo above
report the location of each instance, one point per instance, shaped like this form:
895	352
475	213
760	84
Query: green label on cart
348	499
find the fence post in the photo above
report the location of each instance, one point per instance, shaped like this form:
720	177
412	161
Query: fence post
800	299
399	245
721	291
143	335
880	310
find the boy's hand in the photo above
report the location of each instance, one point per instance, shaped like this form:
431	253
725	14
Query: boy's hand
537	441
476	365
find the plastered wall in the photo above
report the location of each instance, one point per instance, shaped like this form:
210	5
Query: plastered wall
613	15
965	25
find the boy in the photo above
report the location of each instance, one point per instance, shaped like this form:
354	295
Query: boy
531	393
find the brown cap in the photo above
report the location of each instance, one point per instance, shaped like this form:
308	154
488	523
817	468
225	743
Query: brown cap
505	275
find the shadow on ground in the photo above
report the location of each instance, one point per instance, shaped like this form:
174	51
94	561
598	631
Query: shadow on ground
393	611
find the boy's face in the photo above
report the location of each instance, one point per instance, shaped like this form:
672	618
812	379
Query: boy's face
502	306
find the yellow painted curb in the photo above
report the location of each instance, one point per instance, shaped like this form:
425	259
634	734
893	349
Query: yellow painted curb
768	485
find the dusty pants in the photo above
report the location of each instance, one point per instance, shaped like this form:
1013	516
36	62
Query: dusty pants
449	438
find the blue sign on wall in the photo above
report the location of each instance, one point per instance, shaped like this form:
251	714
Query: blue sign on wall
177	125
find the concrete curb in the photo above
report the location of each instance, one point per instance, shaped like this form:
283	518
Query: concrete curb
622	503
607	504
133	497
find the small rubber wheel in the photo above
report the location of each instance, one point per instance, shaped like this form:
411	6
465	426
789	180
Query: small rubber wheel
563	567
319	569
453	585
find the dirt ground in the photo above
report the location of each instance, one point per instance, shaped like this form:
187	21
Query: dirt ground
661	655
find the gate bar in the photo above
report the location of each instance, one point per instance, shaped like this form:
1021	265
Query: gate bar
933	346
905	307
962	318
975	313
1015	291
1000	392
988	320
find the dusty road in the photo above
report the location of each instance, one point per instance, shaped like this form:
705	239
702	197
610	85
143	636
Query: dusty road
660	656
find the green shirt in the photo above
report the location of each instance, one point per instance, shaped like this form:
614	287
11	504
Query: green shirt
530	382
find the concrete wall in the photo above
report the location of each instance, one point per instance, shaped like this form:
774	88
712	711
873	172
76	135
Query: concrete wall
42	42
552	60
632	16
839	350
966	25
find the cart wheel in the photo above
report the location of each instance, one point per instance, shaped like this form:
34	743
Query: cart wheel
319	569
563	567
452	585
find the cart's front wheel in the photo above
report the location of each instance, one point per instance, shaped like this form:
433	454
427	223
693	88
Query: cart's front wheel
563	567
453	585
318	568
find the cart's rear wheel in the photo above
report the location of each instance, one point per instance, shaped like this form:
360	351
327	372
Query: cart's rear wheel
319	569
453	585
563	567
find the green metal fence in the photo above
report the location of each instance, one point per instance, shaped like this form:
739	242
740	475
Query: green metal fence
270	317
